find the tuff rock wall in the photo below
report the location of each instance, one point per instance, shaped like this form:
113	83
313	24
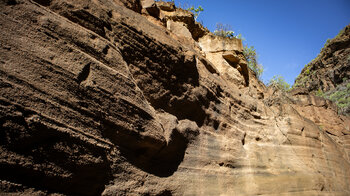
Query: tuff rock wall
109	97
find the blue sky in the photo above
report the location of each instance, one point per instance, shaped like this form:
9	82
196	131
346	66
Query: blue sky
287	34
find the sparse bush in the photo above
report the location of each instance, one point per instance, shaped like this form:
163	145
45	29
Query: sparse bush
196	11
225	30
279	82
319	93
252	60
327	42
340	96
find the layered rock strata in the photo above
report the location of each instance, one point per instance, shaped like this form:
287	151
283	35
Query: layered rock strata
102	98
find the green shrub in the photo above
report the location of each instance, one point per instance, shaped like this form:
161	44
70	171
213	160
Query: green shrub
327	42
279	82
340	96
319	93
224	30
196	11
337	95
252	60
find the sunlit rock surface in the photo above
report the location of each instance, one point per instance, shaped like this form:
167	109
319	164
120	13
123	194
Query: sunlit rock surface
99	98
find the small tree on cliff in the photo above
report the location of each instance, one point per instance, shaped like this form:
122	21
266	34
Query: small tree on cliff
252	59
196	11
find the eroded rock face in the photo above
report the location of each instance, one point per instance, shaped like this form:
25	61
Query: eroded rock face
331	67
227	56
328	75
97	100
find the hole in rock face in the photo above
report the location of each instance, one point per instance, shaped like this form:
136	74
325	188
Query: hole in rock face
221	164
11	2
105	50
257	139
216	124
43	2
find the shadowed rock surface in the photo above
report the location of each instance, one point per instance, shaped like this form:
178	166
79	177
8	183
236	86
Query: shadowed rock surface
105	98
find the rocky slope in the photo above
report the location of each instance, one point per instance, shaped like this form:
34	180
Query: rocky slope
331	67
121	97
328	75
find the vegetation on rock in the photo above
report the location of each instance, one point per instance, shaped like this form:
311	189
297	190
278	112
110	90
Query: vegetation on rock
340	96
326	75
309	69
225	30
196	11
252	60
279	82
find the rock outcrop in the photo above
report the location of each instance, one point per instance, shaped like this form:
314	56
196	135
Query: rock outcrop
331	67
328	75
104	98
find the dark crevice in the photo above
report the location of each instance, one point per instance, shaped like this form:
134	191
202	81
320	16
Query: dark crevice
89	21
330	133
44	2
165	193
229	165
11	2
243	139
83	75
105	50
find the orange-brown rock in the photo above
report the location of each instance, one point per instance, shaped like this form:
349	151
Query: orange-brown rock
328	75
331	67
97	100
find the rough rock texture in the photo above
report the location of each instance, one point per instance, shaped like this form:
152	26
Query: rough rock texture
331	67
97	99
328	75
227	55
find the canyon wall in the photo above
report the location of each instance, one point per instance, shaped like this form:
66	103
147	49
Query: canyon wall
121	97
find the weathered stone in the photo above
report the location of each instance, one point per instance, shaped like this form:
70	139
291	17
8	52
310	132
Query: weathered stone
231	57
148	3
186	17
330	70
166	6
223	53
151	7
211	43
97	100
178	28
